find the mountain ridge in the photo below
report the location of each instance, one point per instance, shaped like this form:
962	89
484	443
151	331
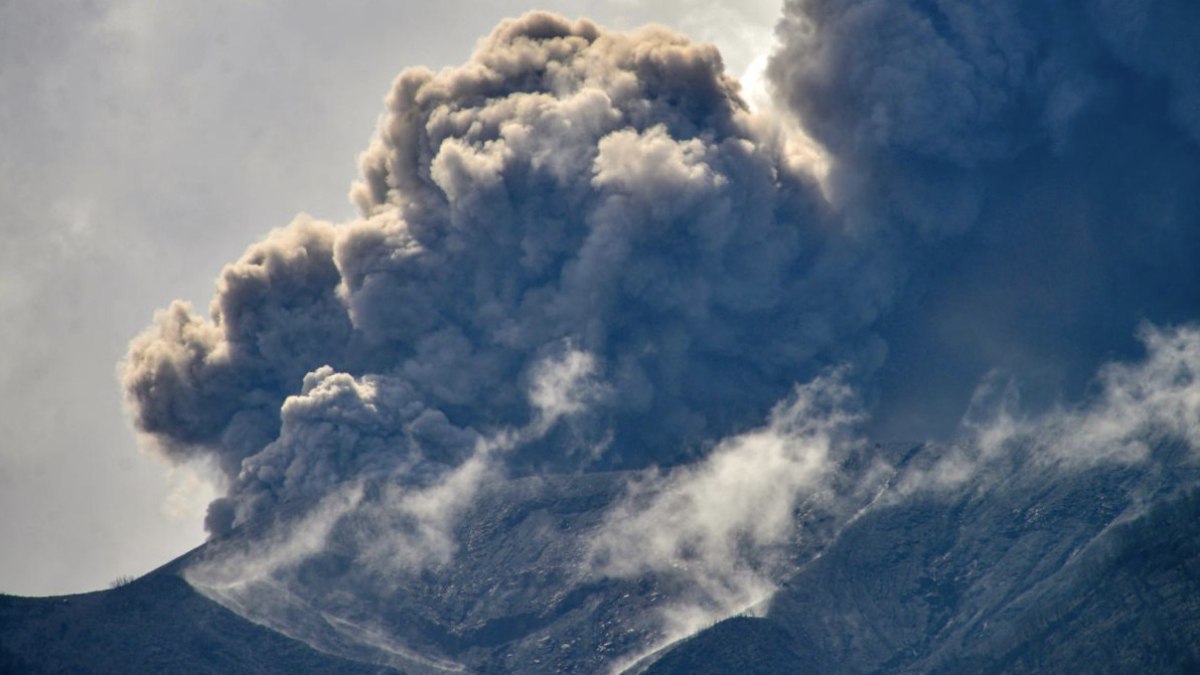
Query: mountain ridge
1000	576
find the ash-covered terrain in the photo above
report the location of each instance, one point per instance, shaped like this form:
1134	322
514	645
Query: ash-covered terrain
1023	574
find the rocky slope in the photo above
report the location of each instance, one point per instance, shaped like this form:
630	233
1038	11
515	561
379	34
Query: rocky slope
1012	571
156	624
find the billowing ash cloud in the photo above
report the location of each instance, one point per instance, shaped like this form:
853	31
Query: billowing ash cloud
581	251
1012	189
567	190
1038	166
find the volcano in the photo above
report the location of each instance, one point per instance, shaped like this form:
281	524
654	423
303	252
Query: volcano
613	371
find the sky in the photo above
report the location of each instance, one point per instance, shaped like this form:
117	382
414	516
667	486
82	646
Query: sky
146	144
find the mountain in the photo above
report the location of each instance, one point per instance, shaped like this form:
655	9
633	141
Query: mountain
155	624
511	600
1027	577
1016	571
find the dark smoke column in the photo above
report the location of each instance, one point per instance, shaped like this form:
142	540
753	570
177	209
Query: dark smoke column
1034	164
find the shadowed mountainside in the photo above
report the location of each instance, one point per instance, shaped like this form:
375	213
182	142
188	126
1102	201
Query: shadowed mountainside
1017	572
156	624
984	587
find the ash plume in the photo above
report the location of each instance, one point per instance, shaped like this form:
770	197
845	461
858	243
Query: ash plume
567	188
1036	164
582	252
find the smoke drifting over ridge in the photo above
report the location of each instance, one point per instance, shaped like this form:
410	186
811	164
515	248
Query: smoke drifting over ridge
1011	188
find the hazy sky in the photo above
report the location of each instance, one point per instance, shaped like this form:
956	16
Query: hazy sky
146	144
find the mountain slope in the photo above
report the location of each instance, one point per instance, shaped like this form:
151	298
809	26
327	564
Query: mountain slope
1013	572
156	624
1133	607
1027	577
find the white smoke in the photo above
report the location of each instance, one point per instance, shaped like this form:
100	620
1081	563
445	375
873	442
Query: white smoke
725	524
1138	412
